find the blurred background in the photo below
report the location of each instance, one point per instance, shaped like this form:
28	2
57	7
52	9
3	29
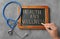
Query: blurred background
54	6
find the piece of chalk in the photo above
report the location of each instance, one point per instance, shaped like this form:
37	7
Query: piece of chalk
42	23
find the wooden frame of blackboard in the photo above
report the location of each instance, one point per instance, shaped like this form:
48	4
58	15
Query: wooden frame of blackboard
34	27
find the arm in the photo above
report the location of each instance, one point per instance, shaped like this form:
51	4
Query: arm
52	30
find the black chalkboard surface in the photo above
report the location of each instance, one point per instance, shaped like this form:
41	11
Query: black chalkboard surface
34	16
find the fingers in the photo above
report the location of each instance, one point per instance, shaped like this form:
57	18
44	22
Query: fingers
49	26
45	25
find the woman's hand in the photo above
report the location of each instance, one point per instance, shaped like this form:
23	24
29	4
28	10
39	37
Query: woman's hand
52	29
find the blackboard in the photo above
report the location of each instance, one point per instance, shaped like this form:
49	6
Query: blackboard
33	16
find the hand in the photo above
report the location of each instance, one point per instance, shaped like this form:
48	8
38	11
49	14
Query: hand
52	29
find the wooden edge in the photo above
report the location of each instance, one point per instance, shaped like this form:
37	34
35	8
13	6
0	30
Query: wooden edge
34	27
34	6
